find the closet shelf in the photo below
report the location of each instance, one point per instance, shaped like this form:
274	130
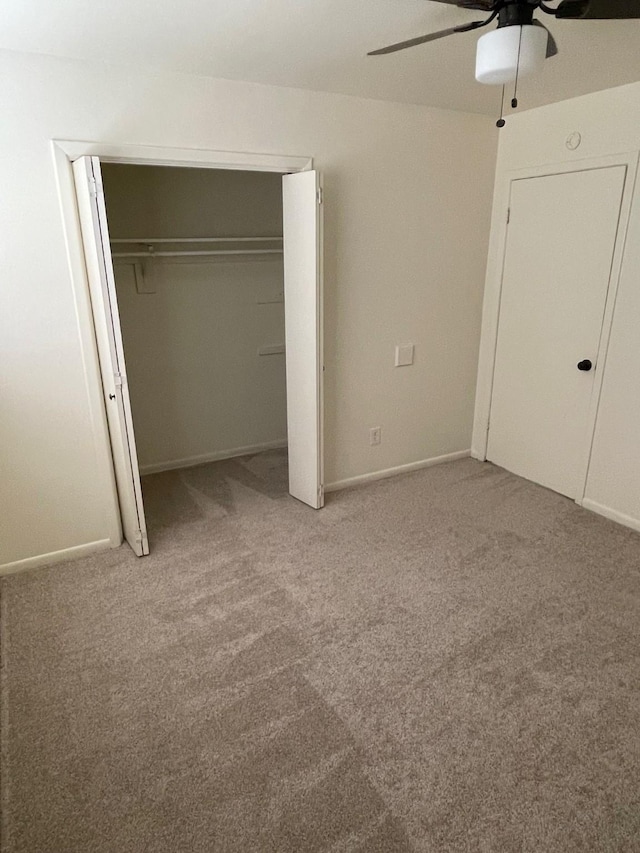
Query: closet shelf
239	246
196	254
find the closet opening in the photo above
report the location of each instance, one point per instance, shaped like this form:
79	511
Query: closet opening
205	291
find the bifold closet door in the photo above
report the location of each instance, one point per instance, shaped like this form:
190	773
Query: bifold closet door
302	230
559	250
104	303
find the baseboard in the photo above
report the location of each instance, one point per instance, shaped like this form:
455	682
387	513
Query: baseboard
612	514
216	456
392	472
56	556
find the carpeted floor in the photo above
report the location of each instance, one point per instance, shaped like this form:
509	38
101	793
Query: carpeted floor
444	661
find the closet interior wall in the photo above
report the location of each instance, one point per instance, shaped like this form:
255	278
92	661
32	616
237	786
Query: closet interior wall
203	330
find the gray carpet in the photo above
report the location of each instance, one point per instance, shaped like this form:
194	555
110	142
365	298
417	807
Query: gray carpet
445	661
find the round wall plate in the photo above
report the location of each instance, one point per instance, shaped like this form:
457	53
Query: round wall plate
573	140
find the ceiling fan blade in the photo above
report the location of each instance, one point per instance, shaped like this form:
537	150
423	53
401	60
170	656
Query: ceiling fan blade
602	10
552	47
482	5
401	45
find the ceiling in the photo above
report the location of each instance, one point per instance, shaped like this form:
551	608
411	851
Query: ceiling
318	44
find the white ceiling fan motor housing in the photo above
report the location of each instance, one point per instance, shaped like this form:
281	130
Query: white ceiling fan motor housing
497	53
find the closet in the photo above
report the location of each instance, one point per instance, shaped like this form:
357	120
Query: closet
197	257
200	359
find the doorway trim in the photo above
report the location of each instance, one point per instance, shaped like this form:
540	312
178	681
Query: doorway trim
493	290
64	152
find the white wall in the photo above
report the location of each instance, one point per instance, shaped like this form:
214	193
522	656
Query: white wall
613	484
608	123
199	389
407	203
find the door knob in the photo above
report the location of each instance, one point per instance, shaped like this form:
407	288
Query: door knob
585	364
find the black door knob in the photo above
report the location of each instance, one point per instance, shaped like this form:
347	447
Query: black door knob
585	364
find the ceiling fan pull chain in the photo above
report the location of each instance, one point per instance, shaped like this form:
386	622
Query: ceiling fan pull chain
514	100
501	121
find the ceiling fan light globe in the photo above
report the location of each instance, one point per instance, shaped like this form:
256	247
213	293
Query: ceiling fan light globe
497	53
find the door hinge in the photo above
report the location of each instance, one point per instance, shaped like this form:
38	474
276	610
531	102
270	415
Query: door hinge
508	215
119	379
94	189
319	195
142	540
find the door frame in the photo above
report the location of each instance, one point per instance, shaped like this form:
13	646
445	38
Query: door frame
64	153
493	292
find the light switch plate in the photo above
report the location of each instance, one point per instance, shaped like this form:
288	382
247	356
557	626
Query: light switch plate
404	354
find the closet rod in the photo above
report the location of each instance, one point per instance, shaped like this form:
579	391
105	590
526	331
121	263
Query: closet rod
204	240
196	254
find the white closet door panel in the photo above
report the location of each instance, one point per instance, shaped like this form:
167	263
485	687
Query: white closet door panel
559	250
95	234
303	334
613	482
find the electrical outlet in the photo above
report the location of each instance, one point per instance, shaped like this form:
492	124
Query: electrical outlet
375	435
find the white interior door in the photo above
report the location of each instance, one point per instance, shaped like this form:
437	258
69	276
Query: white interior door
560	243
95	235
303	334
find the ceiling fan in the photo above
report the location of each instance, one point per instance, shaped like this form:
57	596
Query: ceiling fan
519	45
